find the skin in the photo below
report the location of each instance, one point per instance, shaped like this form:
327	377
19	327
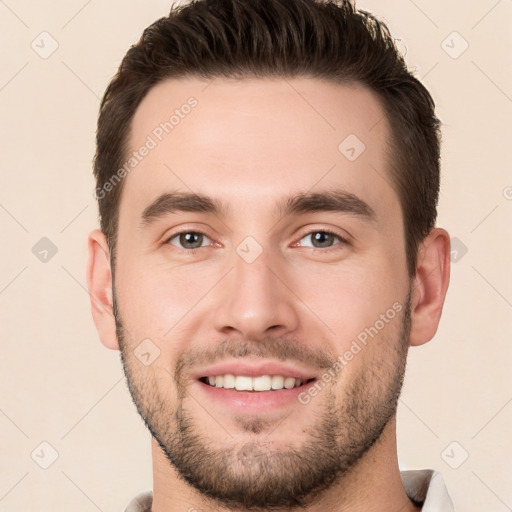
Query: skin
250	144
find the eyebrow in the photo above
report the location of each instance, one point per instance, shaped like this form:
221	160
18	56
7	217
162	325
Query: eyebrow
301	203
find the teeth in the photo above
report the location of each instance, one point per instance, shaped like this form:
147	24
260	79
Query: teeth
260	383
229	381
277	382
243	383
263	383
289	382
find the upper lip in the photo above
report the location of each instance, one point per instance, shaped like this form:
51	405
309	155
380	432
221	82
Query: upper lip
255	369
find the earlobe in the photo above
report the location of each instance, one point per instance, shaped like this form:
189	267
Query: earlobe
430	286
99	283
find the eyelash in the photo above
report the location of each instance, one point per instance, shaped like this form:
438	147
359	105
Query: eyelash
343	241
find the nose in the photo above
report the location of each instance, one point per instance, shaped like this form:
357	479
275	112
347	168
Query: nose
255	300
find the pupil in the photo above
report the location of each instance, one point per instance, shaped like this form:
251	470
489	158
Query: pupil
188	238
323	237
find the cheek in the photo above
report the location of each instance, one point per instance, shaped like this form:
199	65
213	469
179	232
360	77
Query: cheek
349	299
156	301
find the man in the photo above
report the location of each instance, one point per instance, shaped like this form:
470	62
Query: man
267	176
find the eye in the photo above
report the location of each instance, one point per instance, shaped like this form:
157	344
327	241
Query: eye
323	239
189	240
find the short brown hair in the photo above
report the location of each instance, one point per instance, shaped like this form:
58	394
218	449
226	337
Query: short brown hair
325	39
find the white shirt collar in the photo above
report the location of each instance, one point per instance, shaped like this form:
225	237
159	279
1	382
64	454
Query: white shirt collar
427	486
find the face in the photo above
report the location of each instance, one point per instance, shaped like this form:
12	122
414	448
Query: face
261	287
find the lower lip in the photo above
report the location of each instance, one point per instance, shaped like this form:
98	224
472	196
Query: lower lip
254	401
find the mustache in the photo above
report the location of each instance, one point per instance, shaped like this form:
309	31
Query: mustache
267	348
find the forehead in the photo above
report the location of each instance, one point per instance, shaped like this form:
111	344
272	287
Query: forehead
251	141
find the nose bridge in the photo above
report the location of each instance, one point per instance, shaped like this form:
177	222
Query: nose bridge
256	275
254	298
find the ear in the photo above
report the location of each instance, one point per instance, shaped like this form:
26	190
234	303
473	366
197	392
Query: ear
430	285
99	282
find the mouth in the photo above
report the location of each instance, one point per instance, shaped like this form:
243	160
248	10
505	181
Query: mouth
254	387
256	384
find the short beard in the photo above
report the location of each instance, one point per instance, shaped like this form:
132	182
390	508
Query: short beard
252	475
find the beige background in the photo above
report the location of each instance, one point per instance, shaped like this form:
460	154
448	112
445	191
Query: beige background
59	385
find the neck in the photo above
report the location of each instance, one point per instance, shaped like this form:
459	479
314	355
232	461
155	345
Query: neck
374	483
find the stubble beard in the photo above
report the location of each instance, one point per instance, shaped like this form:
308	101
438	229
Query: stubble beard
255	476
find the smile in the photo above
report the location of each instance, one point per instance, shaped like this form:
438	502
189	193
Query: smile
258	383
